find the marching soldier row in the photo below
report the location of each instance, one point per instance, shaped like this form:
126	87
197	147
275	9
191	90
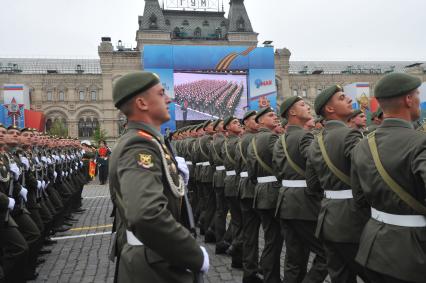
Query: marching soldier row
353	196
41	180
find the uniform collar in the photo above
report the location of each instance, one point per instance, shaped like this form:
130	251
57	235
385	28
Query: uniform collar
147	128
395	122
332	124
293	128
263	129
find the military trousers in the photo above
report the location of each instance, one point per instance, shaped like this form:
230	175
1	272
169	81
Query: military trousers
270	258
32	236
341	263
250	237
376	277
210	206
237	228
220	216
300	241
15	254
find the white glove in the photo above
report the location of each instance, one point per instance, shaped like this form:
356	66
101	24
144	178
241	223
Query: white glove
63	173
46	184
63	157
66	173
24	193
55	175
206	262
71	171
183	168
76	167
43	185
44	159
57	158
15	169
11	204
25	161
49	161
81	163
38	184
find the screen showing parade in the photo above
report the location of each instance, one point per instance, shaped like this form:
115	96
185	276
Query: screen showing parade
206	96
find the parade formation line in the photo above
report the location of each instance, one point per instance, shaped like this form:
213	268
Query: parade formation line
81	236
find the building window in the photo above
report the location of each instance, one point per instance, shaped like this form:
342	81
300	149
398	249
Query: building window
93	95
167	22
206	23
61	96
219	33
197	32
223	24
153	22
49	95
295	92
185	23
304	93
81	95
241	25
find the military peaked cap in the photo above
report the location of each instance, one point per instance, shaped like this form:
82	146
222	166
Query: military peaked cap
288	103
216	123
355	113
248	114
228	121
396	84
132	84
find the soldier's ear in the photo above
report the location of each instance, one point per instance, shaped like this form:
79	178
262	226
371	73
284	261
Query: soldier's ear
141	103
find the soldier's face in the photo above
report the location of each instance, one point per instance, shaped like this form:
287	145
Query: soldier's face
360	120
235	127
156	104
13	137
340	104
251	124
301	110
3	133
26	138
269	120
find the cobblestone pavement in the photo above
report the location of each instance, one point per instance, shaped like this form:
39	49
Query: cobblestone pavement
81	254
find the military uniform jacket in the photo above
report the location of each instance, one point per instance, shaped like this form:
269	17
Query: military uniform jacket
151	210
397	251
204	154
339	220
294	203
245	186
266	194
218	160
186	152
228	152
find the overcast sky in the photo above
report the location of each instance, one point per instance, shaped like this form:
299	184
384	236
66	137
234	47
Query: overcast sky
312	29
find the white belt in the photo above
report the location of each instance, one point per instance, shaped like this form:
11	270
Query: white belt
205	163
231	173
220	168
188	163
199	163
294	183
345	194
268	179
399	220
132	240
244	174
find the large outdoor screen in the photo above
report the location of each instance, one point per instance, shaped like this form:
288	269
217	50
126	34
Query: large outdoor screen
209	96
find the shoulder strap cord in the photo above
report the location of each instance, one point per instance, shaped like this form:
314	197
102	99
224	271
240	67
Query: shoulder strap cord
292	164
201	150
336	171
227	153
265	166
240	147
217	155
392	184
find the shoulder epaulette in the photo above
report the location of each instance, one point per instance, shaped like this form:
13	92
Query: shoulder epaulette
145	135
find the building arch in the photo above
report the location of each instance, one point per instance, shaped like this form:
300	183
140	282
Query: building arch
89	108
88	122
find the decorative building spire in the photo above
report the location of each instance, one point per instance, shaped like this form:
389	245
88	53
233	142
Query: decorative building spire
239	20
153	18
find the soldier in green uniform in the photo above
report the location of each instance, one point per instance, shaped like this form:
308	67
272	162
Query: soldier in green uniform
328	172
388	178
377	119
199	209
20	213
250	217
148	190
14	248
297	208
234	130
219	186
260	171
358	121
